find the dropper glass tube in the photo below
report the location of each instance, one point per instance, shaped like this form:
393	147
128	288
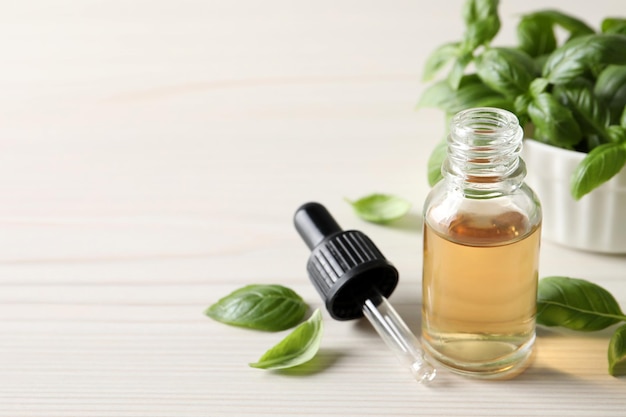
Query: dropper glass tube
354	278
399	338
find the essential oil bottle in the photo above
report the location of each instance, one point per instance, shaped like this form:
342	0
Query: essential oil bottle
482	227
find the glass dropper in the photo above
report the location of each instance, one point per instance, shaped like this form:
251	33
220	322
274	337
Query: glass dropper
399	338
354	279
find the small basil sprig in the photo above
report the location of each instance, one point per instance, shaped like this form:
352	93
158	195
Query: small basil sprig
482	22
298	347
577	304
380	208
261	307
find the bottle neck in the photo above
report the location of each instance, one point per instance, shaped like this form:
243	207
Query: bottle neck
484	148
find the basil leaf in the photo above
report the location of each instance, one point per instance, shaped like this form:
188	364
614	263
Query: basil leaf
507	71
380	208
436	95
598	166
535	35
535	31
521	104
437	156
439	58
617	134
261	307
584	54
458	69
538	86
481	21
476	94
611	88
554	123
296	348
571	24
614	25
576	304
472	92
591	113
617	352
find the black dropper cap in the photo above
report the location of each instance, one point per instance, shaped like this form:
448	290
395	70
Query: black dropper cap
345	267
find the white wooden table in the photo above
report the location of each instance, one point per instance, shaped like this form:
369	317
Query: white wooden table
152	155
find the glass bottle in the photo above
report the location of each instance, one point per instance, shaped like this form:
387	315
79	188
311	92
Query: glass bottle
481	249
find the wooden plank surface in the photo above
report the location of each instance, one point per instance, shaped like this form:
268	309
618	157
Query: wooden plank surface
152	157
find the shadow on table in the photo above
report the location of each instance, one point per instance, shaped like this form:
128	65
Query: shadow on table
412	222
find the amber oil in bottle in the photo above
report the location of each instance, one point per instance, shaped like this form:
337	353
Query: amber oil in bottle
481	248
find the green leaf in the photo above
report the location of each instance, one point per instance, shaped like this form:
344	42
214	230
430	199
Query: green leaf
476	94
458	69
538	86
598	166
535	35
611	89
554	123
436	95
298	347
380	208
505	70
592	115
521	104
576	304
437	156
617	352
472	92
571	24
591	141
439	58
482	22
535	31
617	134
261	307
540	61
614	25
584	54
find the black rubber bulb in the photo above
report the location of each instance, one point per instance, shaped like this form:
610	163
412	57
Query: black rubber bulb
345	267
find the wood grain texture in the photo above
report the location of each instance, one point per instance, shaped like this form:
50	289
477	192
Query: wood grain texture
152	156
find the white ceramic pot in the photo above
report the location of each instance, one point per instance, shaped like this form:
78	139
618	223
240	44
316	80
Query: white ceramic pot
596	222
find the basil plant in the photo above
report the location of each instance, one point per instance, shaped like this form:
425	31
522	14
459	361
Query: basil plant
569	93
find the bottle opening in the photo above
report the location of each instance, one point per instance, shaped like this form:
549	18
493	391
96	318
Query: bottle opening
484	126
483	148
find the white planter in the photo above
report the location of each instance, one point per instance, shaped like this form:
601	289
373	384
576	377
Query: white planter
596	222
